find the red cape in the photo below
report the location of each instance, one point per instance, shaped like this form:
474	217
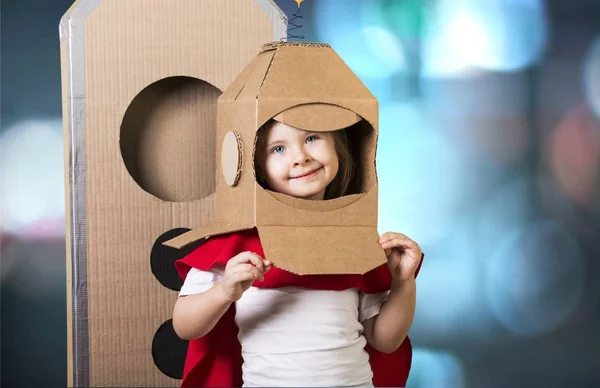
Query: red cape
215	360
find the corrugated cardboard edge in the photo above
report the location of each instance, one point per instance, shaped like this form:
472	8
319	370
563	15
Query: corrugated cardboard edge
72	52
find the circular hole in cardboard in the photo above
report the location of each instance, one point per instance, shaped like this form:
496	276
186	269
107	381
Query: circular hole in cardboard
360	143
168	137
169	351
163	258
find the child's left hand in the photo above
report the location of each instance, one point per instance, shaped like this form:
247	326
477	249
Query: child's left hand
403	254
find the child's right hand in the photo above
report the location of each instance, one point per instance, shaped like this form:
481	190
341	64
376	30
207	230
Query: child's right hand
241	271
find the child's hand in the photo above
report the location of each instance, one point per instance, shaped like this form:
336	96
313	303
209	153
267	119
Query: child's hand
403	254
241	271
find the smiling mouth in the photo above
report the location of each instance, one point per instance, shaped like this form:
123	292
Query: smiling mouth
308	175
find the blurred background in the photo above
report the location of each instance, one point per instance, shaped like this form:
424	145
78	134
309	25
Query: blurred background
489	157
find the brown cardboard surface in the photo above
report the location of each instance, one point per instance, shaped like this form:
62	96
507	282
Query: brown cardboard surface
271	211
153	69
308	117
356	247
310	87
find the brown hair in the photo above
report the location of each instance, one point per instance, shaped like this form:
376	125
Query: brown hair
341	182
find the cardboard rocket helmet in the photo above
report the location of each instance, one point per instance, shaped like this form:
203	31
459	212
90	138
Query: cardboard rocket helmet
307	86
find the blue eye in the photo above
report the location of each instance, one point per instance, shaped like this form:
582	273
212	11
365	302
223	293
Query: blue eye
278	149
311	138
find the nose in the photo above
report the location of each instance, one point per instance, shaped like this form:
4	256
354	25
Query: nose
301	157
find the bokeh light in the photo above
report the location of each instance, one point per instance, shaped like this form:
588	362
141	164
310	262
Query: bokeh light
404	19
485	116
507	207
574	150
370	49
33	202
496	35
421	177
386	48
448	291
591	76
534	279
432	369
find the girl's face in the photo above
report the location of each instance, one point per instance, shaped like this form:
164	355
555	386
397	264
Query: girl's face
297	162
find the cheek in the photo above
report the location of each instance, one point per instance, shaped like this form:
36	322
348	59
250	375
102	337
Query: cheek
332	158
275	168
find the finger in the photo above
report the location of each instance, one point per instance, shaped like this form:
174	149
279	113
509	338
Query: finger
249	268
389	236
238	259
240	277
258	273
400	240
244	267
384	237
248	257
256	260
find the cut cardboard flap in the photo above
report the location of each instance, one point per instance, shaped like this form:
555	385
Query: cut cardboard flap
307	86
342	250
212	229
310	117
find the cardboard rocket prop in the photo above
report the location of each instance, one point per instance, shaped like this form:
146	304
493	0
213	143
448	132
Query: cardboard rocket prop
140	83
307	86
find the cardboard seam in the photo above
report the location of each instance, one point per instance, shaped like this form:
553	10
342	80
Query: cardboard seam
275	45
244	84
266	75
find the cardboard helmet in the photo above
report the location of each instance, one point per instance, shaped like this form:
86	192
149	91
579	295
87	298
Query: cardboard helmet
309	87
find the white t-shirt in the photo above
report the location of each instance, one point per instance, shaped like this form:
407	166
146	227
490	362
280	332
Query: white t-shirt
293	336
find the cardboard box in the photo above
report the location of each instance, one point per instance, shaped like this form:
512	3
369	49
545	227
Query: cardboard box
140	83
307	86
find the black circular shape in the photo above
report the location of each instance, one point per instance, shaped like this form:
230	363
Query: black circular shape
163	258
169	351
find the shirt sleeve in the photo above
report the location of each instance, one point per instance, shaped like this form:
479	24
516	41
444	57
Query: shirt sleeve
198	281
370	304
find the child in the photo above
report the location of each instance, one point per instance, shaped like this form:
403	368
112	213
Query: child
326	330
